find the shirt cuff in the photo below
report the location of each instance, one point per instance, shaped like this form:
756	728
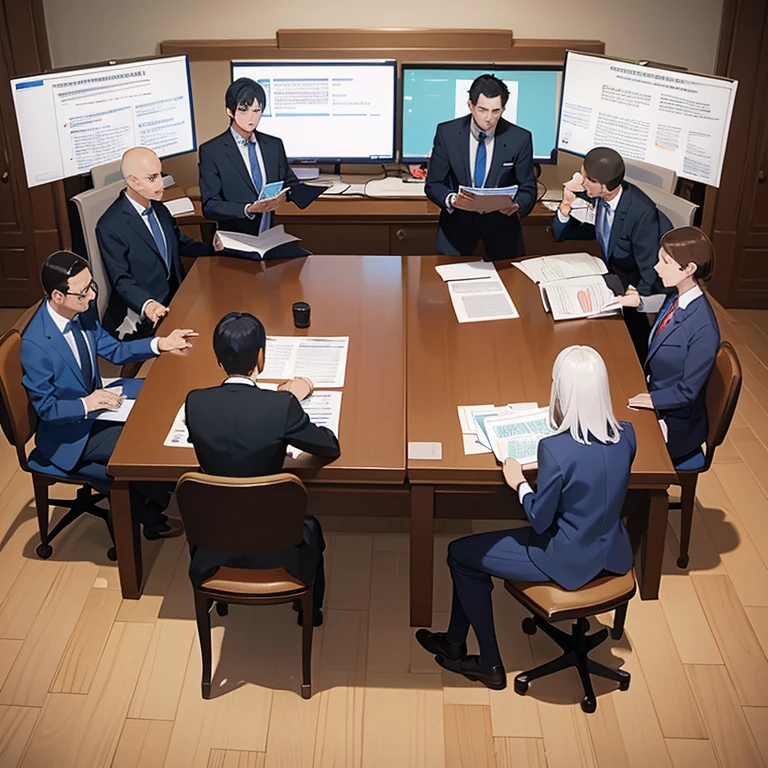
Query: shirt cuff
523	490
144	308
250	216
449	202
85	407
154	345
562	219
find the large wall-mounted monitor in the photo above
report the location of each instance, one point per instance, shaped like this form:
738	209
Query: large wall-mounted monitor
328	111
434	93
72	120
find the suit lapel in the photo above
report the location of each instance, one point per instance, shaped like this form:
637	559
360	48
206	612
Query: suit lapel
59	343
618	219
678	319
137	225
464	152
271	171
232	151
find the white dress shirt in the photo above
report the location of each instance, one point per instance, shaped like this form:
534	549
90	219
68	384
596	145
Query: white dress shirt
242	146
474	142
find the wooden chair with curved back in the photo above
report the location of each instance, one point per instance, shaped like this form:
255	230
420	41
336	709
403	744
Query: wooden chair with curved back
246	515
721	397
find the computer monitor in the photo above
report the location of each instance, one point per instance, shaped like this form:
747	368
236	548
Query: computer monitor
434	93
328	111
72	120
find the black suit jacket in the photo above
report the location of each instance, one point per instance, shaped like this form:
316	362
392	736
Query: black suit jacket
242	431
136	270
633	249
511	163
226	186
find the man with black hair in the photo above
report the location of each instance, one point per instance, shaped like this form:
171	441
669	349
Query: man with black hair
241	430
628	227
481	150
59	351
235	166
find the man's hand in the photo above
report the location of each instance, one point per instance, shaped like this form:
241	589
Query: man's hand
463	201
513	473
301	387
642	400
155	311
264	206
102	399
260	206
176	339
510	209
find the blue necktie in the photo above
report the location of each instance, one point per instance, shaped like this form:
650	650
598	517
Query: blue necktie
157	235
480	160
603	230
258	181
82	351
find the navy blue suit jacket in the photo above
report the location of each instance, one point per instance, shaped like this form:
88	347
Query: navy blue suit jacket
511	163
54	381
678	365
136	270
226	186
633	249
575	511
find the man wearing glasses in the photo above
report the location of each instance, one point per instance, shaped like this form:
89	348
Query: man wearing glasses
140	246
59	351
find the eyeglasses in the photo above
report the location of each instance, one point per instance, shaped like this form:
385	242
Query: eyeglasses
92	286
151	177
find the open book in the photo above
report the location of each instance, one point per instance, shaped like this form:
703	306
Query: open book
275	243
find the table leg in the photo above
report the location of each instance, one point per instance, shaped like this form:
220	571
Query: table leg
127	541
652	552
422	553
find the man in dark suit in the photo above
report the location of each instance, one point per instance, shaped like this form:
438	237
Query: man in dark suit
628	226
235	166
481	150
140	246
241	430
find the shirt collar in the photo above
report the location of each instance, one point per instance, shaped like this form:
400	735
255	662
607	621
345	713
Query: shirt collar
239	140
61	322
240	380
684	299
138	206
476	131
614	203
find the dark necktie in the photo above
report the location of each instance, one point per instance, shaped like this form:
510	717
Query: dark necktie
258	181
157	236
665	320
82	351
480	160
603	230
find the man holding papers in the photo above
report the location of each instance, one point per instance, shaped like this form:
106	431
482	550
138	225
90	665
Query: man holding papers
482	151
241	430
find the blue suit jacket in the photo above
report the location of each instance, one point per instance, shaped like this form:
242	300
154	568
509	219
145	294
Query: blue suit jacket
511	163
633	249
226	186
54	382
135	268
678	365
575	511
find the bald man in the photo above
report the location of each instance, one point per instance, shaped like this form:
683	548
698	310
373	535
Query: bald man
141	246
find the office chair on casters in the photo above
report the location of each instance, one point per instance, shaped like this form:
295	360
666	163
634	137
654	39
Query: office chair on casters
247	515
19	423
549	602
721	397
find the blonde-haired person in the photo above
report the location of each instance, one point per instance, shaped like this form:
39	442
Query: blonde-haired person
575	533
682	346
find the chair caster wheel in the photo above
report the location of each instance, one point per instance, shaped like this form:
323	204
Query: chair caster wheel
112	554
44	551
222	609
682	562
521	685
529	626
588	705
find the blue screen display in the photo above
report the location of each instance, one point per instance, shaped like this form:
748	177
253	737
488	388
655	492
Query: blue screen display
433	94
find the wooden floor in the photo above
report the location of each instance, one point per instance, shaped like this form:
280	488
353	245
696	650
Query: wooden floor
87	679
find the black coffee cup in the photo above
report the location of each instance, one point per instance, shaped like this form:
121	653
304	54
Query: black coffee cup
301	310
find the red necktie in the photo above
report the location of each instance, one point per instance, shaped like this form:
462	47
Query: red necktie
667	317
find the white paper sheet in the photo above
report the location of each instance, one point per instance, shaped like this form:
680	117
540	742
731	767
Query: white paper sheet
469	270
119	415
517	435
473	446
466	418
576	298
426	451
181	206
321	359
561	267
481	300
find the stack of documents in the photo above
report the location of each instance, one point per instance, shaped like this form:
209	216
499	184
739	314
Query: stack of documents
489	199
182	206
510	431
571	285
477	292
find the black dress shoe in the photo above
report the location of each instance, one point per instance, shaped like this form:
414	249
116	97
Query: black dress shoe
493	677
168	530
436	644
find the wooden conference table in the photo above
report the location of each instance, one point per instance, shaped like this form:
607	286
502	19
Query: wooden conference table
403	335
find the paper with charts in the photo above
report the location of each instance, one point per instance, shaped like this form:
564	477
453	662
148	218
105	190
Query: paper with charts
517	435
472	419
544	269
578	297
323	409
321	359
482	299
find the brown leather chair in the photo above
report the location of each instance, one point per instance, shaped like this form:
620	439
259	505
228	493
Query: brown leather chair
247	515
721	397
19	423
549	602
